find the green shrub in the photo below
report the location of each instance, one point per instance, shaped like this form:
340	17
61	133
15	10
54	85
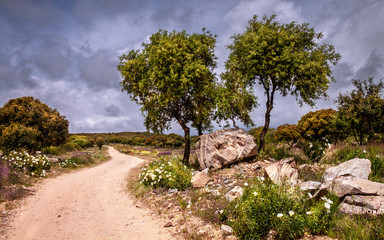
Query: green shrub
265	206
51	150
167	173
71	147
315	150
100	142
35	166
321	216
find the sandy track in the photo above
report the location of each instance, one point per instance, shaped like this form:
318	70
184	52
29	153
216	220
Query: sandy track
88	204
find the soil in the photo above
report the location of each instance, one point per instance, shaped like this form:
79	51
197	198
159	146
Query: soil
88	204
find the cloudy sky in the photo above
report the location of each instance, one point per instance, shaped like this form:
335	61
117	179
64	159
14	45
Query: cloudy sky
65	52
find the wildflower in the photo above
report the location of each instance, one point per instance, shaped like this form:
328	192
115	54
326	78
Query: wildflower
245	184
364	151
279	215
324	198
329	201
327	205
310	195
255	194
291	213
309	213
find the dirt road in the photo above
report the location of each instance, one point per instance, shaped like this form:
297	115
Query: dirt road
88	204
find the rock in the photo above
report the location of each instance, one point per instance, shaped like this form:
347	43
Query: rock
54	160
358	168
227	230
231	237
224	147
234	193
200	179
375	203
357	210
168	224
280	171
310	186
343	186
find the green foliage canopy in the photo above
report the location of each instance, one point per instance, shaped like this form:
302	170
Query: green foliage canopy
171	78
28	123
281	57
361	111
317	125
287	132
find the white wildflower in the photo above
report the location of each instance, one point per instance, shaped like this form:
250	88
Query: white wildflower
310	195
327	205
245	184
291	213
329	201
309	213
255	194
279	215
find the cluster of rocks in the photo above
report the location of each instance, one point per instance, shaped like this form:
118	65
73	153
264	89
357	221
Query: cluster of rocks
349	180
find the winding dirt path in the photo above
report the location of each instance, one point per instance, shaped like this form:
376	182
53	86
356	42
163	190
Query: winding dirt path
88	204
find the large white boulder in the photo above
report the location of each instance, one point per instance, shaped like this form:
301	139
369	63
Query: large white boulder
357	168
282	171
224	147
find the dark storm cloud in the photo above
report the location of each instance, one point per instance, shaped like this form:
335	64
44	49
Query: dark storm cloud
372	67
99	70
112	111
65	52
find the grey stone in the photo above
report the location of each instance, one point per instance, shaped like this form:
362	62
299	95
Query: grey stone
200	179
343	186
227	230
372	202
224	147
282	171
311	186
234	193
357	167
358	210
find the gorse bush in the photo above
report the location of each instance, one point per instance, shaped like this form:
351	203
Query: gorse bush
265	206
35	166
167	173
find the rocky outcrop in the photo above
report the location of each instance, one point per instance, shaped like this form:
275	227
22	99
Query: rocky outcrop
310	186
344	186
349	181
200	179
357	168
282	171
224	147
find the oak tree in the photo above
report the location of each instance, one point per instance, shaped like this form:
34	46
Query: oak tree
283	58
172	78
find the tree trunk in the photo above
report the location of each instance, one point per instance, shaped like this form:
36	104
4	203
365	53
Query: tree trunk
200	128
187	139
266	126
269	105
187	148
